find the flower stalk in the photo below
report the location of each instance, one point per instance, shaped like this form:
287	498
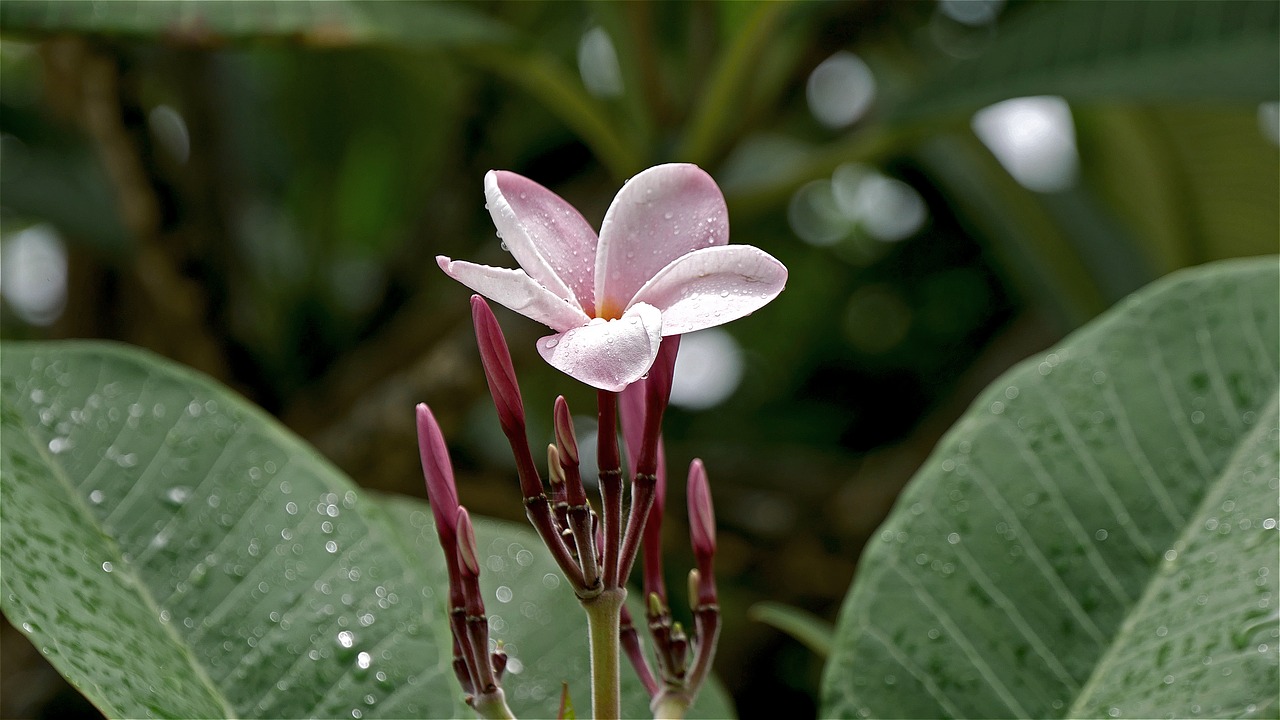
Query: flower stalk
478	672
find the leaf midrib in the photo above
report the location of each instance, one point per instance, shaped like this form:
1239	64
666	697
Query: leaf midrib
1220	485
126	569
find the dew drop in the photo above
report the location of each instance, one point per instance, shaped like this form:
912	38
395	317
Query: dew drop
178	495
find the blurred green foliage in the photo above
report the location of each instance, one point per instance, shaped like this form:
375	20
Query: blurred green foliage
259	189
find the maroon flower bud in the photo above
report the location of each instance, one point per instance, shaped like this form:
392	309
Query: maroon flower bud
702	534
501	376
702	517
498	370
442	493
567	447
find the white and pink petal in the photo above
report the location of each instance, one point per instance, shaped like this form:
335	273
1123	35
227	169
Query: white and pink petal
713	286
607	354
548	237
658	215
517	291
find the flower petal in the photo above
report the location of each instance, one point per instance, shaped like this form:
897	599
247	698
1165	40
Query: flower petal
659	215
713	286
516	290
608	355
547	236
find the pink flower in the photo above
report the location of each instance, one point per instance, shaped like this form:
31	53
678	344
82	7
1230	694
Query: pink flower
660	266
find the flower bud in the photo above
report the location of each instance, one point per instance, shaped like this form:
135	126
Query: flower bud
555	472
467	553
501	376
565	439
702	518
498	370
442	493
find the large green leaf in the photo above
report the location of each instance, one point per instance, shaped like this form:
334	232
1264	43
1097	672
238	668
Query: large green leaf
1121	51
175	553
1097	535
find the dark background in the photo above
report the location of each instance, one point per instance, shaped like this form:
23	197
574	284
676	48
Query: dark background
259	190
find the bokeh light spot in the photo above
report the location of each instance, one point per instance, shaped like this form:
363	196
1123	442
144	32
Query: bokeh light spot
1034	138
708	369
33	274
971	12
886	208
840	90
598	63
815	216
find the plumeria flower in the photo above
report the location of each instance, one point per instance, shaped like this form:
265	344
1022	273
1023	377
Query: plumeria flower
660	266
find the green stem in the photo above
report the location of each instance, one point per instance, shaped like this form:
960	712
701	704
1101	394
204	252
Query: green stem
670	705
603	622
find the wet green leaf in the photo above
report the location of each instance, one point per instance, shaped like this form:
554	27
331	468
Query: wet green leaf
1097	535
174	552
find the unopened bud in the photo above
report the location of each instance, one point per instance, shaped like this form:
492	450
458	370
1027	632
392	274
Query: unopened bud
702	517
498	370
555	472
565	439
499	661
501	376
466	535
442	493
695	579
679	648
657	608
